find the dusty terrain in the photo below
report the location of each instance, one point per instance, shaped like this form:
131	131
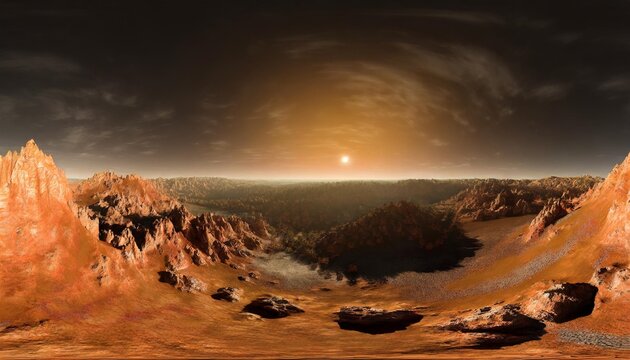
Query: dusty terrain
63	309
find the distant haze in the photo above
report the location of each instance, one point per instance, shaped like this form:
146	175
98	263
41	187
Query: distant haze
284	90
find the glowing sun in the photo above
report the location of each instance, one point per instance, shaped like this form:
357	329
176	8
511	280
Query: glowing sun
345	160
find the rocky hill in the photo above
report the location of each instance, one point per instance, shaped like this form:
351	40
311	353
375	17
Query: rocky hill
394	238
493	198
45	251
137	218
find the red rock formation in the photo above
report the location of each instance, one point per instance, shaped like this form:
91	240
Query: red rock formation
375	321
137	218
123	195
552	212
40	236
562	302
494	199
616	189
613	283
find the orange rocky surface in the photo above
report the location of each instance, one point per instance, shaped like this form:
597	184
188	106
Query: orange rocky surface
67	293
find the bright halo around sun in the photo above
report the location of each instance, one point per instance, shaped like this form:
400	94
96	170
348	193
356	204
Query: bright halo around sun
344	160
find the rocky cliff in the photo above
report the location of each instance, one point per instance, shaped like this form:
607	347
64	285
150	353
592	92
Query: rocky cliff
141	221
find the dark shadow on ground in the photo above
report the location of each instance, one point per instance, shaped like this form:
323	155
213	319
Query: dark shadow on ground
387	260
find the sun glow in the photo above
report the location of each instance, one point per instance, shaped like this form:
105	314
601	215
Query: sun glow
345	160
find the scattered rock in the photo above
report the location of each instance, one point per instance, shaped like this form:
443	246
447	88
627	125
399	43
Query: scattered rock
228	294
254	275
243	278
192	284
562	302
375	321
182	282
169	277
272	307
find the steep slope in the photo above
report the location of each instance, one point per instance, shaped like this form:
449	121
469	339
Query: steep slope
589	245
614	193
45	251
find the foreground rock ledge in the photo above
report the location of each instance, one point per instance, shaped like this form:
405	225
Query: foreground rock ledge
375	321
506	319
499	326
272	307
562	302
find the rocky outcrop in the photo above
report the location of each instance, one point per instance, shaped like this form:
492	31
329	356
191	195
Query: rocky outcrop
615	191
101	270
136	218
221	237
493	199
613	282
123	196
271	307
375	321
182	282
553	211
507	319
562	302
228	294
40	234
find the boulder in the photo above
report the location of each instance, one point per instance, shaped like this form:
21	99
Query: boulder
507	319
375	321
182	282
229	294
272	307
562	302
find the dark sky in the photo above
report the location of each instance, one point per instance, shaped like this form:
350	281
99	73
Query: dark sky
270	89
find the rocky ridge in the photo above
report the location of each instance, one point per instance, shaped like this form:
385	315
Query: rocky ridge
493	198
136	218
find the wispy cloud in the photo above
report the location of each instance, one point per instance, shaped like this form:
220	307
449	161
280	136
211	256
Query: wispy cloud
306	45
37	63
464	65
616	83
550	91
470	17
